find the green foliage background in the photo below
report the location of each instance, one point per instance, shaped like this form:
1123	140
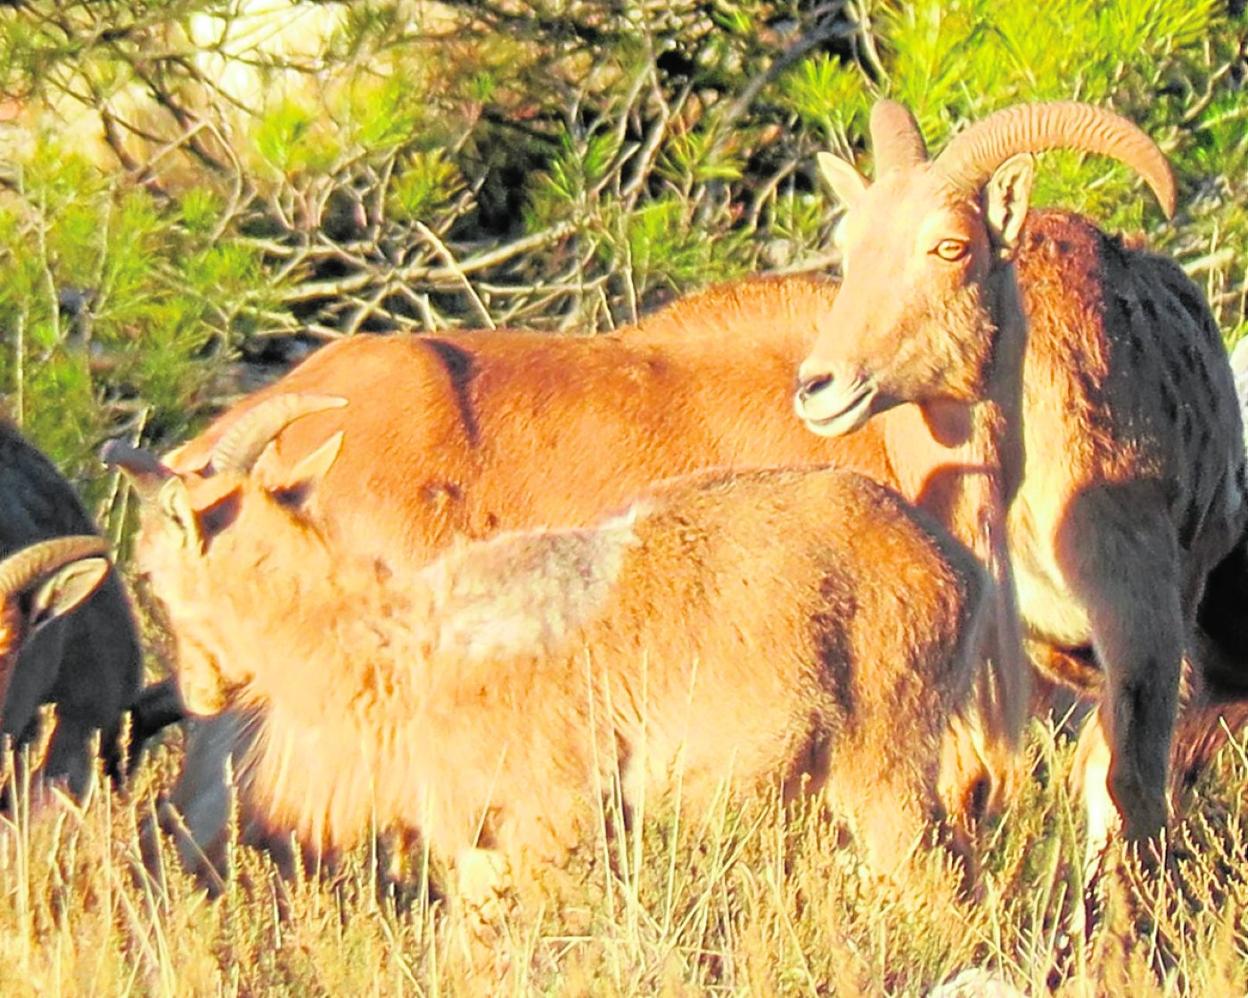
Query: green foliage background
545	163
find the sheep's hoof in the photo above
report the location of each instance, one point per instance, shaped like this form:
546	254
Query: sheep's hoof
482	876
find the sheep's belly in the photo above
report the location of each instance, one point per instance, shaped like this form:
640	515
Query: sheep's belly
1049	609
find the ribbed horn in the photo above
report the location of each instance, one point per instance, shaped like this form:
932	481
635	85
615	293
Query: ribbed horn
895	138
18	572
142	467
242	444
972	157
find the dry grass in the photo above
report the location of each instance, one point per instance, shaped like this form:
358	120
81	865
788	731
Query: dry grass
731	901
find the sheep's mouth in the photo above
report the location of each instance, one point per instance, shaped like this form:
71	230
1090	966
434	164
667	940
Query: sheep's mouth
852	412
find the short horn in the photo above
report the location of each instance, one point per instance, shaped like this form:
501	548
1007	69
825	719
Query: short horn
895	138
972	157
18	572
242	444
142	467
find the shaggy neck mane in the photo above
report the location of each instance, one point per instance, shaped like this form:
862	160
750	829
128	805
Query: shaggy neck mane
350	689
368	654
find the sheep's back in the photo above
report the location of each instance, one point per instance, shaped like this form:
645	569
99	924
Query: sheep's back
764	609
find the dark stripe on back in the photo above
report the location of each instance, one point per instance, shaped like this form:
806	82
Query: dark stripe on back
458	364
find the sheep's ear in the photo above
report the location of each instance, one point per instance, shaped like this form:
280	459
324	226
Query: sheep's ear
847	183
307	473
1006	198
525	594
175	504
66	589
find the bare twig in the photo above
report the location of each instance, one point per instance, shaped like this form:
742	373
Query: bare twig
825	29
457	271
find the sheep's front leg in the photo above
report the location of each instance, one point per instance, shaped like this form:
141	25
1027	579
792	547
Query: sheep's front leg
1090	776
1121	561
1139	714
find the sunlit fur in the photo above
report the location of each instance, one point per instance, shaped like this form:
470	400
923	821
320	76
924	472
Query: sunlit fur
1122	448
919	324
89	663
464	435
792	629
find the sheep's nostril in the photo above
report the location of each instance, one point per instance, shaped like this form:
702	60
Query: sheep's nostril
813	386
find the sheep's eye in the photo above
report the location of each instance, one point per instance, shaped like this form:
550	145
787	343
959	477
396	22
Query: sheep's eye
951	249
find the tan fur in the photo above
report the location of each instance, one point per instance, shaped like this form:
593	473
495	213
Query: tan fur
1120	443
469	434
461	436
774	629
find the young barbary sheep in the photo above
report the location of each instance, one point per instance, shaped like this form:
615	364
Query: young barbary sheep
1121	429
792	629
88	664
466	435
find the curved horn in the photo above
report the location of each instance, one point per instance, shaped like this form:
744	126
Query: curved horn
972	156
241	445
143	468
895	137
21	570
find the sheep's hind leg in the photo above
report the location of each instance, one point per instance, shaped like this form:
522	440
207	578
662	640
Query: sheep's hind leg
1090	783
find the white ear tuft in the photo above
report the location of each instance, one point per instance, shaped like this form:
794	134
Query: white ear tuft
174	500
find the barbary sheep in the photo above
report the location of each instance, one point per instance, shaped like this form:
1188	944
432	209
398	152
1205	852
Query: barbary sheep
89	664
789	629
1121	443
466	435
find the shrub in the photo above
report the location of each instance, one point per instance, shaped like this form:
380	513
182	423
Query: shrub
195	183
